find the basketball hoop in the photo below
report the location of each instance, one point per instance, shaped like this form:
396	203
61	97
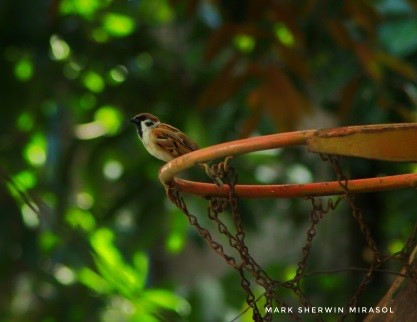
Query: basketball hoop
389	142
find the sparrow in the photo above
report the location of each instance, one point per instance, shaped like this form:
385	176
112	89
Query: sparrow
166	142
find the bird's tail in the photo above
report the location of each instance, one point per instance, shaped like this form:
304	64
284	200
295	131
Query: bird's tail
211	174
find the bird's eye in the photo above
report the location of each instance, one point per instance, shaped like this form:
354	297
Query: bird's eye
148	123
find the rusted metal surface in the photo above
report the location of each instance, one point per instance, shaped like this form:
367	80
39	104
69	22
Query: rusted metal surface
237	147
299	190
393	142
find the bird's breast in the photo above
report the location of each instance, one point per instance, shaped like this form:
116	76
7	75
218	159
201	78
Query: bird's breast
154	149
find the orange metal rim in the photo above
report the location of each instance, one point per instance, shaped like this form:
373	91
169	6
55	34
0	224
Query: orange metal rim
171	169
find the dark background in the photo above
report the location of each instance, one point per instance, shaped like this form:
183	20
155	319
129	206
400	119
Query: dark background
102	242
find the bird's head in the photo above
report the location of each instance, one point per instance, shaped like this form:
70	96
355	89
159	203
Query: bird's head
144	122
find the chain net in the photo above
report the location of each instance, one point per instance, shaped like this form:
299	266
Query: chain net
251	272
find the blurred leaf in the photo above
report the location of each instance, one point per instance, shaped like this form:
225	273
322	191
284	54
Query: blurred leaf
110	118
228	34
156	11
118	75
60	49
244	43
177	236
118	25
284	35
397	65
331	282
394	6
24	69
294	62
25	180
166	299
94	281
29	216
102	242
363	15
347	97
35	151
395	246
25	122
143	317
84	8
94	82
278	98
218	40
399	36
290	272
339	33
111	266
222	87
369	61
79	218
48	241
113	169
141	265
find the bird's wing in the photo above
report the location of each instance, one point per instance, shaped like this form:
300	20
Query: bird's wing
173	141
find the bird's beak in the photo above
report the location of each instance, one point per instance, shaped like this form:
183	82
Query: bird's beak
134	121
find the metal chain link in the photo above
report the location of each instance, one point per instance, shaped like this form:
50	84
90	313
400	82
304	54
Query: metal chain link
316	214
238	240
358	216
175	197
247	263
217	205
356	211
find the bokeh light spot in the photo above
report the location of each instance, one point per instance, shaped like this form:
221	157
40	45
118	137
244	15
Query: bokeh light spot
24	69
395	246
298	174
64	274
84	8
144	61
25	122
48	240
94	82
88	101
60	50
284	35
113	170
118	74
84	200
29	216
35	150
244	43
118	25
80	218
109	118
72	70
25	179
156	11
100	35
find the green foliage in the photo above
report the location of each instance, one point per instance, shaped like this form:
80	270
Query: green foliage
115	277
23	69
118	25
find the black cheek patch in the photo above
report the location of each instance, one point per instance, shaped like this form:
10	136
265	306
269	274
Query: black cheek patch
140	133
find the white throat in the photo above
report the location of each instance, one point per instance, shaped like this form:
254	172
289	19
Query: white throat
150	145
146	130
